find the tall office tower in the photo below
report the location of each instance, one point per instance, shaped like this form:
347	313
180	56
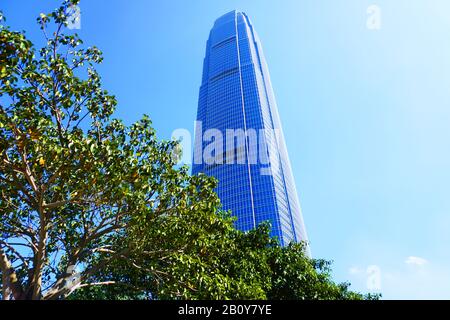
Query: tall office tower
238	135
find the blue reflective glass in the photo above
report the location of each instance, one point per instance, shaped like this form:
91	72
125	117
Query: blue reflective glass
236	93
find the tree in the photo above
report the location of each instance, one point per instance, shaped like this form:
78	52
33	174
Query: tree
256	268
295	277
91	208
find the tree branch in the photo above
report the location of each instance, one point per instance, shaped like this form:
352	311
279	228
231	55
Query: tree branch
10	282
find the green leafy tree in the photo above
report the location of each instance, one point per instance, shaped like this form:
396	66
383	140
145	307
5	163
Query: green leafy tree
93	209
251	266
295	277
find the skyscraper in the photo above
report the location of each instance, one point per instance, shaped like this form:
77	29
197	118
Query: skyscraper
238	136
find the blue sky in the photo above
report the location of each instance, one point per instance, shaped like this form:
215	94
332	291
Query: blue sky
365	114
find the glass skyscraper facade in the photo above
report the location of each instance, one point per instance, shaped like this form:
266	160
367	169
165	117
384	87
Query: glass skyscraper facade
255	179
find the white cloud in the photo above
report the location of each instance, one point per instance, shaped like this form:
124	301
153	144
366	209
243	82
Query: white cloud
355	270
416	261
